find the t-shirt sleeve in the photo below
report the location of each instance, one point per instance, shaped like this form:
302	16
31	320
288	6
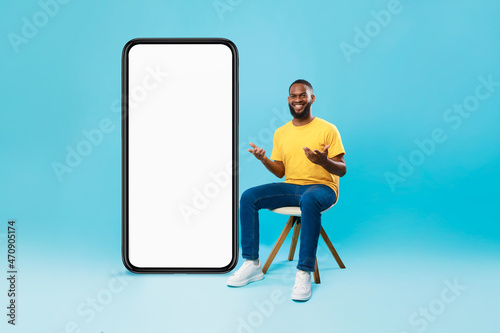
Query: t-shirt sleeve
333	139
276	154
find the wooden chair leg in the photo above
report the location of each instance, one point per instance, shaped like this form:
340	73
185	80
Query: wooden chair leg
332	249
295	238
278	244
316	273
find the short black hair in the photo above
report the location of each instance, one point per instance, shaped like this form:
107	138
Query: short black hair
301	81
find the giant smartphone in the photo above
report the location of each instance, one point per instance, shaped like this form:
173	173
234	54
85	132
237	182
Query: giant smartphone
179	156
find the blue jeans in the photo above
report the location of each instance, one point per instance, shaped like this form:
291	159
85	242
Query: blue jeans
311	199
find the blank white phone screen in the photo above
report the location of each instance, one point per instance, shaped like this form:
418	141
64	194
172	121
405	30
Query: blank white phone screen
180	162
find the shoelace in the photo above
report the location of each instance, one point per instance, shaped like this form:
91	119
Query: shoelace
301	280
243	268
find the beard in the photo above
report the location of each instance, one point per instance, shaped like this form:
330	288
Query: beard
304	114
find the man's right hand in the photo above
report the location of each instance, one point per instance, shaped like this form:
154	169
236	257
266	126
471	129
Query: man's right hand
259	153
276	167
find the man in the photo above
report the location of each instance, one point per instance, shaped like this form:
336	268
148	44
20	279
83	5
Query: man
308	151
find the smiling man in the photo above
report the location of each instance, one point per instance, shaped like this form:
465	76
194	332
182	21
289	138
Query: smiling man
308	151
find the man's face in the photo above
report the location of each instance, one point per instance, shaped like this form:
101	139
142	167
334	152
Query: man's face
300	100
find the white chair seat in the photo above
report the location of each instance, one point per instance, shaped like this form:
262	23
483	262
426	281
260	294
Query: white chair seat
293	210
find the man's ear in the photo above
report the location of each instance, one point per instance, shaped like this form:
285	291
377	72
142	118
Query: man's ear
313	98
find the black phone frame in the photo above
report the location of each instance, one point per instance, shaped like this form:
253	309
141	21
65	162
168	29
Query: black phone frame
125	156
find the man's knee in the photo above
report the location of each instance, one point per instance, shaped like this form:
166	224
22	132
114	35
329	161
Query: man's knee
252	195
309	202
248	197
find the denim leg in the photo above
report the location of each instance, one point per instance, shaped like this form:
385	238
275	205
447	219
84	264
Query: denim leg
314	199
267	196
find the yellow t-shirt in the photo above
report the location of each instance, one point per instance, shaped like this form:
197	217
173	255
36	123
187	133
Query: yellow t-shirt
287	147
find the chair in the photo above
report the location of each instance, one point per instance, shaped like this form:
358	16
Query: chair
294	220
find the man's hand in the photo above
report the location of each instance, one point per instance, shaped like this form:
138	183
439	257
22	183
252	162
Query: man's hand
276	167
316	156
334	165
259	153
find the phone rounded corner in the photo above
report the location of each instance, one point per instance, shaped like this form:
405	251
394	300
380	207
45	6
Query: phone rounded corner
229	267
231	45
129	266
129	45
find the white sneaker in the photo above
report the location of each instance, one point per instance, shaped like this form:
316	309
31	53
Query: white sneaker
247	273
302	288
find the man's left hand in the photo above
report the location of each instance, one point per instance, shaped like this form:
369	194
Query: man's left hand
316	156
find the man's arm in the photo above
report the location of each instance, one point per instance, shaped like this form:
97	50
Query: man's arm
335	165
276	167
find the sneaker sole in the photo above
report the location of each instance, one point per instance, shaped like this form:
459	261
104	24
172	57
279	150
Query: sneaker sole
244	283
301	297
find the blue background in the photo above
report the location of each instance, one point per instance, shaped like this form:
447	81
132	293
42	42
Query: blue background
403	245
